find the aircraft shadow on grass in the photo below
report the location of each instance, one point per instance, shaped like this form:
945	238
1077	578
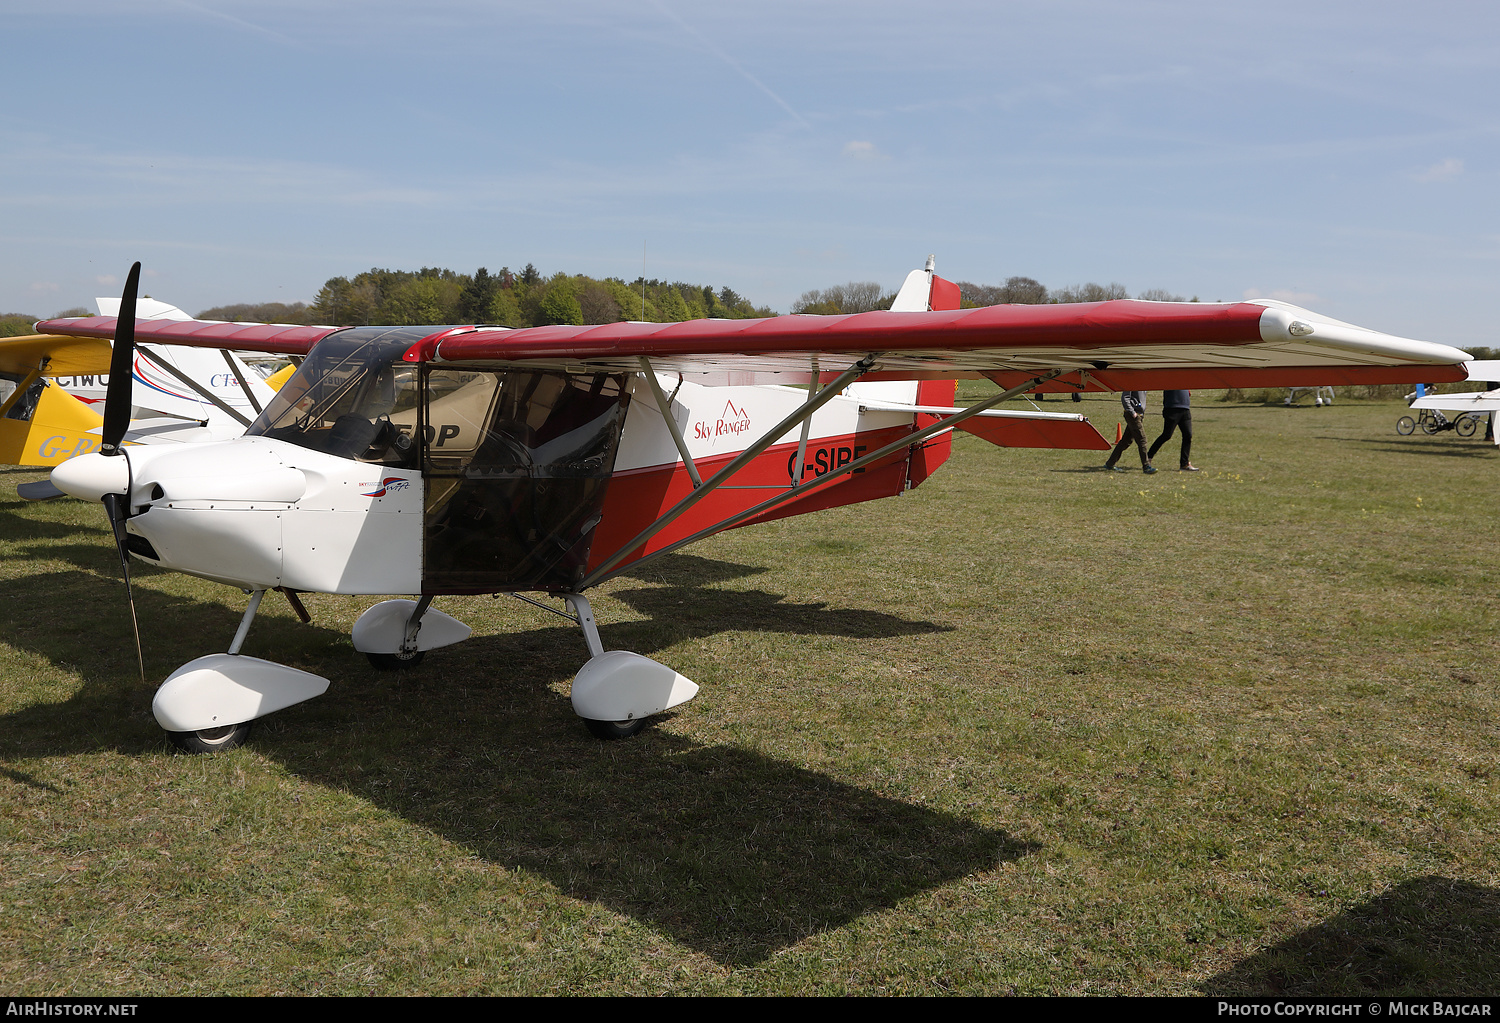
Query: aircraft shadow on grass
725	850
1426	936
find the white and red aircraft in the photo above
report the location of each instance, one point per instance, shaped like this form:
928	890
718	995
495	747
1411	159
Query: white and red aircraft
472	459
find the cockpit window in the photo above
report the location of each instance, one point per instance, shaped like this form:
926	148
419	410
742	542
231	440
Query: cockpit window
352	397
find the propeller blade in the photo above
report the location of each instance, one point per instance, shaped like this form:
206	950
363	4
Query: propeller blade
117	398
116	506
39	490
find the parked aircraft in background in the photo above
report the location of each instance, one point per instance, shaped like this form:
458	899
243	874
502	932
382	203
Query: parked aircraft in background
462	460
50	385
1321	395
1471	404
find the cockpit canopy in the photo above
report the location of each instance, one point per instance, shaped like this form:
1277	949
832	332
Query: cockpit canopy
352	397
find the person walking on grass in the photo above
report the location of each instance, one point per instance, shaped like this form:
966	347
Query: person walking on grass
1134	404
1176	414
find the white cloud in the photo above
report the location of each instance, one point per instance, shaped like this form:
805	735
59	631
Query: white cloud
106	279
1442	170
863	151
1282	295
44	287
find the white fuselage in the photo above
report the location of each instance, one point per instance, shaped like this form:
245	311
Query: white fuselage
260	513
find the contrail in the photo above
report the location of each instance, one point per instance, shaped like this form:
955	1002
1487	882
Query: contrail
242	23
726	58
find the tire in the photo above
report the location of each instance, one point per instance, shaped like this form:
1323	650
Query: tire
211	740
1430	427
609	730
1405	425
396	662
1466	425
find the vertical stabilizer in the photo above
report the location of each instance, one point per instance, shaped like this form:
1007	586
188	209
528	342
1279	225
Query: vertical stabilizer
924	291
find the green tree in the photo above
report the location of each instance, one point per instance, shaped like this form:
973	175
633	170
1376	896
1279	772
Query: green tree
262	312
505	310
560	304
670	306
477	296
1091	292
598	303
17	324
424	298
854	297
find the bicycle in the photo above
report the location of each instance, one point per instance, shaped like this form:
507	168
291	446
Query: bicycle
1432	422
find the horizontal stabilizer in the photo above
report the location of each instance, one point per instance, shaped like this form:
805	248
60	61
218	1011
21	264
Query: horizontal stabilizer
1037	433
1473	401
1007	428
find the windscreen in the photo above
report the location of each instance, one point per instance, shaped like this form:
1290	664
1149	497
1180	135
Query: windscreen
352	397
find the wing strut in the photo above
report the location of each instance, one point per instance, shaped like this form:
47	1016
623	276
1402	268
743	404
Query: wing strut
204	391
815	401
240	379
666	413
806	429
603	573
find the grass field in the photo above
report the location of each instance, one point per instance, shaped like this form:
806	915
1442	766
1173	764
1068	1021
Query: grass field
1032	728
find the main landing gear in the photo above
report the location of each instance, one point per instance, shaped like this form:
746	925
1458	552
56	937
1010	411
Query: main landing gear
208	704
616	691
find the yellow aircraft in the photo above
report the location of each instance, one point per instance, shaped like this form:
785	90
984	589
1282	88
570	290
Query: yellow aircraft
40	423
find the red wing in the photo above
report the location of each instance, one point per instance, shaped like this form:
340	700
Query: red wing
1117	345
1111	346
276	338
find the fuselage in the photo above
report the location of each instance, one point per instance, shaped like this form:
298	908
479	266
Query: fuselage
369	475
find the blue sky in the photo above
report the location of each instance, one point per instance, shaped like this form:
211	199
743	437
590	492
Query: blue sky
1339	155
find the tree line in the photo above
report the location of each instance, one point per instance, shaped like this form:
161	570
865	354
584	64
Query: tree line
863	296
507	299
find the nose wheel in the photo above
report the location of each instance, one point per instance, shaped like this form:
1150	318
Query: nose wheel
211	740
614	729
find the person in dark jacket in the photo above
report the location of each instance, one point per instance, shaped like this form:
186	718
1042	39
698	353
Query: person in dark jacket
1176	414
1134	404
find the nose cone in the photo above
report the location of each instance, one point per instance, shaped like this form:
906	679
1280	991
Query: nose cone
90	477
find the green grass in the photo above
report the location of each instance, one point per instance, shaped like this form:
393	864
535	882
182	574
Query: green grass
1031	728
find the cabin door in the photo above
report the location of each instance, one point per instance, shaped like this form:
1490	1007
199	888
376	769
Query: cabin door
516	466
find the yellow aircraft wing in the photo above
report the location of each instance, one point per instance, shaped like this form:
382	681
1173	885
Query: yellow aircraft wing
66	356
42	424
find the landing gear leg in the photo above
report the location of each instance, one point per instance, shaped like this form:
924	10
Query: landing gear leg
244	629
408	656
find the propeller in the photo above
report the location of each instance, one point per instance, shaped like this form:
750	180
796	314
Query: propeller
38	490
117	401
121	370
